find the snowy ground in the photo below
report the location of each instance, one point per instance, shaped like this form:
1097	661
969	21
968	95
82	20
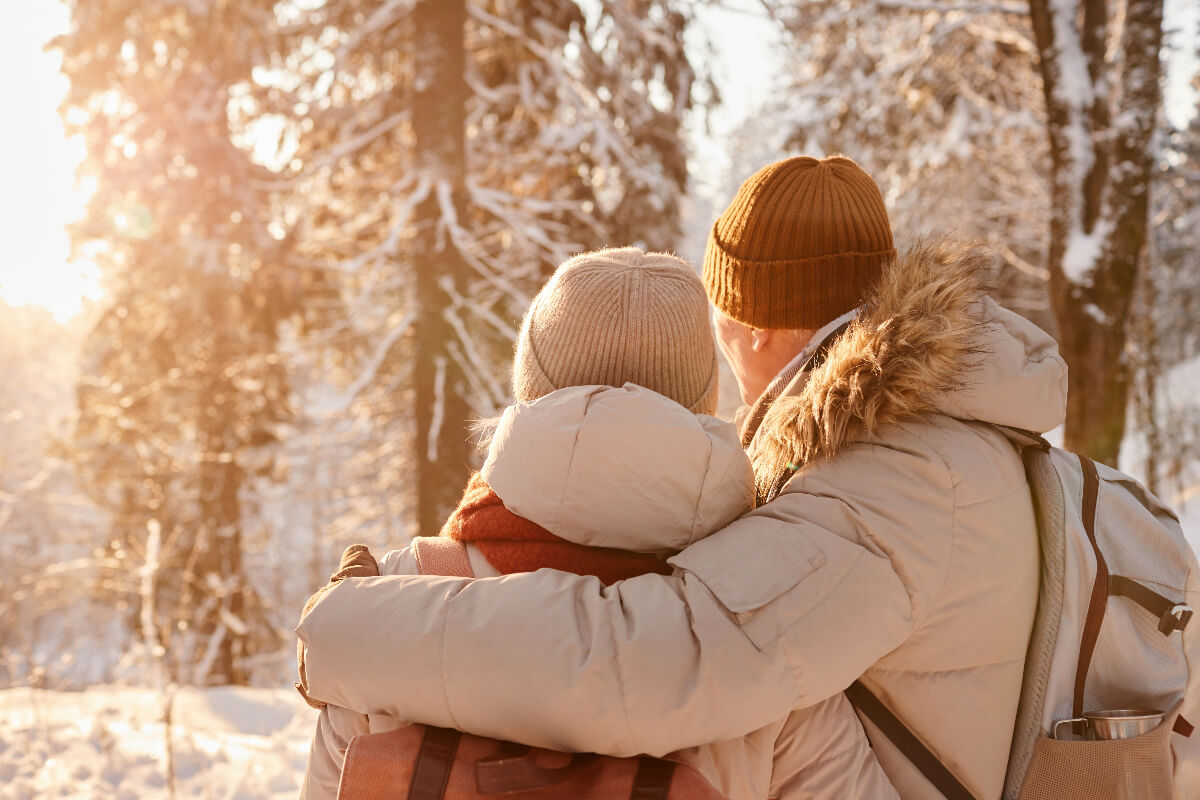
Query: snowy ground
106	743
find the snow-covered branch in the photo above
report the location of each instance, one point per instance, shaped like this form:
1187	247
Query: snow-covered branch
330	406
387	14
399	225
439	410
976	9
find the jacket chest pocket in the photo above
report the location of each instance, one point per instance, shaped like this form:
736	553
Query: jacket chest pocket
759	569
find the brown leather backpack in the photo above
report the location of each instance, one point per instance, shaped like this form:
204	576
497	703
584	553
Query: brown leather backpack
419	762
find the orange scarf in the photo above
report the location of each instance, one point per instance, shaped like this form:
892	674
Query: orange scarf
514	544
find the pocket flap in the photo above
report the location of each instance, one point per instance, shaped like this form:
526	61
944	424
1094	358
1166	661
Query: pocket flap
752	562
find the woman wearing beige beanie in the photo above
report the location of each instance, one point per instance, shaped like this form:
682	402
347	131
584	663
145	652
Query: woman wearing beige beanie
609	462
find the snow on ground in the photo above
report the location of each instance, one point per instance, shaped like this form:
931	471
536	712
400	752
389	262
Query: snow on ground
229	744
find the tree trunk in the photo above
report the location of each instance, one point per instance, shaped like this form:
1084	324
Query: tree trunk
1100	181
439	120
220	506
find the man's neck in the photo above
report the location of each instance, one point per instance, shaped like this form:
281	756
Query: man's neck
788	374
793	367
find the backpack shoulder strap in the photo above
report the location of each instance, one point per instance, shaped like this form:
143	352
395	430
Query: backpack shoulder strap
1098	602
913	748
441	555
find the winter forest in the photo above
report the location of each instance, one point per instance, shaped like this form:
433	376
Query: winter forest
310	228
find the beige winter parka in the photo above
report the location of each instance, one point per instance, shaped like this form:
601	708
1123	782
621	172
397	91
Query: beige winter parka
630	469
902	550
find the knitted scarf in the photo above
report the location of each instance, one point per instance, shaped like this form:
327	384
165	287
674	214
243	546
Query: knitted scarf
514	544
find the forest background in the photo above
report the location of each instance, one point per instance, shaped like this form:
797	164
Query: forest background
307	231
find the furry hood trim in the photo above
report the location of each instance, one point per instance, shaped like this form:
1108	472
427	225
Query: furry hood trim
928	340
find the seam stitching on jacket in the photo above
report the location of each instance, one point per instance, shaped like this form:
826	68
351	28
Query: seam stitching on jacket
831	757
448	604
994	498
692	534
855	519
562	498
948	670
792	661
612	633
935	598
863	553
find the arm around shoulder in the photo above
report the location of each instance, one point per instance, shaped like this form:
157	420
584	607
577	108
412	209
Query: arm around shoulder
744	631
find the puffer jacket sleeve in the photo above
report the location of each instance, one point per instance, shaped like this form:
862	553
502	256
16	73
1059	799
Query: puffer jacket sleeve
335	728
782	609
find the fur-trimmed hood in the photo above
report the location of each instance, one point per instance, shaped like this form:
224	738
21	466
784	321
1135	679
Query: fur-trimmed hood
927	341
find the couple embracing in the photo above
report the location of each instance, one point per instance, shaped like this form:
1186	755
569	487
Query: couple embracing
714	590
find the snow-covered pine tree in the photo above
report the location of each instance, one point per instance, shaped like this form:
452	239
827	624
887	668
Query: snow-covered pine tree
47	524
1101	72
181	390
572	137
939	102
953	122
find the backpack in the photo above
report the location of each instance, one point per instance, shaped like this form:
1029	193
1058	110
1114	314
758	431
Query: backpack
421	762
1117	588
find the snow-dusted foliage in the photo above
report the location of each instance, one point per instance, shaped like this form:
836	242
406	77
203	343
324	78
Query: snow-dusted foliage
319	224
940	102
1165	340
182	392
52	631
994	119
571	120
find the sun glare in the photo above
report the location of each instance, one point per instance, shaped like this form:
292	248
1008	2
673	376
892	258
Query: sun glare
38	192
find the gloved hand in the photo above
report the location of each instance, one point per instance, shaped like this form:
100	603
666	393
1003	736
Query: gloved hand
357	562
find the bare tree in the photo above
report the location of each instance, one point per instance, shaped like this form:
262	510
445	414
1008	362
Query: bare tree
1100	78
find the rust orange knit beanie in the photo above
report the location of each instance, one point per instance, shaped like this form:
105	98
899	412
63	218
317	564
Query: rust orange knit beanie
800	245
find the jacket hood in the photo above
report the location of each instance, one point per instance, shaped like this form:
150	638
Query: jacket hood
928	340
626	468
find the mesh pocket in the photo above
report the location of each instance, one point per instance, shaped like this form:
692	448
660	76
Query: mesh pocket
1120	769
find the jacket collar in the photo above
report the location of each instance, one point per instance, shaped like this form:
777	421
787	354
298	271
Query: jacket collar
926	340
808	357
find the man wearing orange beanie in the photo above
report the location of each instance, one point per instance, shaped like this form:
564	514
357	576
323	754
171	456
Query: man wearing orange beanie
894	543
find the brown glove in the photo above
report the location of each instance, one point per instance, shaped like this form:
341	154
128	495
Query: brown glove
357	562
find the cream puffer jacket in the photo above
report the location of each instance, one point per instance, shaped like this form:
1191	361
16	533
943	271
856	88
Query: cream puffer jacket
903	550
630	469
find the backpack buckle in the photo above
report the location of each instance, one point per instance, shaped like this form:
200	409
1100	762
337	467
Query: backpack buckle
1175	618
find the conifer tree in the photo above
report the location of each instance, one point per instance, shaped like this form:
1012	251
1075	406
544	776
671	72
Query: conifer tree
940	103
990	119
182	391
572	139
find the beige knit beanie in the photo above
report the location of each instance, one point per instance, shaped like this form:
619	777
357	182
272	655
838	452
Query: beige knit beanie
800	245
620	316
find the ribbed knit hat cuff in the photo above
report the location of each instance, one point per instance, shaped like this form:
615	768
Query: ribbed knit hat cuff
789	294
708	400
530	380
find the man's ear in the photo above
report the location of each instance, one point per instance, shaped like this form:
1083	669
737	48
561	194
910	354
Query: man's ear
760	340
